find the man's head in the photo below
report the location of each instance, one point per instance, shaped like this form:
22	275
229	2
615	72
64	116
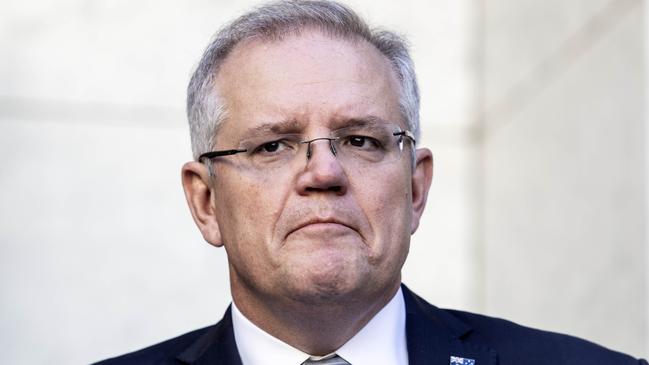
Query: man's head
205	108
331	227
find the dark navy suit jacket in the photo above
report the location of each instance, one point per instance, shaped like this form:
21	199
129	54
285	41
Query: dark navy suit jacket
433	336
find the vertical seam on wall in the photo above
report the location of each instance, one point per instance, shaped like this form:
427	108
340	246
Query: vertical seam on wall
479	240
645	297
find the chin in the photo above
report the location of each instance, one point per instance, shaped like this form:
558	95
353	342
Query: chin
322	295
327	287
327	275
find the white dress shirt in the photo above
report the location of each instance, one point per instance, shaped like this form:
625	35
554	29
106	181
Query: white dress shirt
381	342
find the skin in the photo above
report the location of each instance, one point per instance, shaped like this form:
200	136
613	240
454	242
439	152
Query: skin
316	252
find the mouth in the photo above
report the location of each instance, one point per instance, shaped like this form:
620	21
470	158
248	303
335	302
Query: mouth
322	226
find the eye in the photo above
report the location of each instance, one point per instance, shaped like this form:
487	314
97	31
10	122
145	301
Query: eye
273	147
357	141
361	142
270	147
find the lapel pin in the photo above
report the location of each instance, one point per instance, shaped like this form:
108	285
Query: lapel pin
461	361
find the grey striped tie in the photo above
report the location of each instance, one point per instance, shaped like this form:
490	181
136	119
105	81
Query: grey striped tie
335	360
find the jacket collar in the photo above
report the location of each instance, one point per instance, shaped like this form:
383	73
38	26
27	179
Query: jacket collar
216	346
433	337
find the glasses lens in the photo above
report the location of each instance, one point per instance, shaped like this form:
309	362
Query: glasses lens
369	145
270	152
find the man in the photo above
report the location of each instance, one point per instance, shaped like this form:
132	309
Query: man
304	125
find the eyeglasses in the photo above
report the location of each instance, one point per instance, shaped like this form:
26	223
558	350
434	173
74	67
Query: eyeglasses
355	147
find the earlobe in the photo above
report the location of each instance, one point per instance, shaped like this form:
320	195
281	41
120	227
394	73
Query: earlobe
422	177
196	183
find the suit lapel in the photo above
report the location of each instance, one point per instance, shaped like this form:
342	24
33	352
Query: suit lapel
216	346
434	336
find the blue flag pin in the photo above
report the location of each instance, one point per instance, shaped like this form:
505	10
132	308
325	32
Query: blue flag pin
461	361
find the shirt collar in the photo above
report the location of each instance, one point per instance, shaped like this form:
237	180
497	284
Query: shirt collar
257	347
381	341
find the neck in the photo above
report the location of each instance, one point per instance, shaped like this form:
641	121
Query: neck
317	327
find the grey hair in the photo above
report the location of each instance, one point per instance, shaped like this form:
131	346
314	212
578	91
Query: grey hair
273	21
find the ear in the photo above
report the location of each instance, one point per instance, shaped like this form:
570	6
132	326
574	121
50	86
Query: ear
196	183
422	176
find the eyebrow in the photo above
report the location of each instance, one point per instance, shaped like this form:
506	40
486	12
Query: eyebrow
368	120
292	126
282	127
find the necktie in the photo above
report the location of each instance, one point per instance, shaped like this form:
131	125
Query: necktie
335	360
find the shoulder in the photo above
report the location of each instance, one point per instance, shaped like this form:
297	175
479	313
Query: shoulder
507	341
163	353
518	344
209	345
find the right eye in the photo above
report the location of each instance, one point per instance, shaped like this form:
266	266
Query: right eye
270	147
273	147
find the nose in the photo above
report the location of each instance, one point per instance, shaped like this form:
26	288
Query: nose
323	171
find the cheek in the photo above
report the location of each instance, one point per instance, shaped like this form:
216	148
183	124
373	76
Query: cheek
389	195
248	209
385	201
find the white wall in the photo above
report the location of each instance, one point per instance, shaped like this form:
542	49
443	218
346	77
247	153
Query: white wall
98	252
565	171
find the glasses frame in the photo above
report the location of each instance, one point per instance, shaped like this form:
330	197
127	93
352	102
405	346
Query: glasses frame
220	153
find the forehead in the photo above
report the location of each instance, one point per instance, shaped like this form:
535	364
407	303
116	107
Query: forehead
311	78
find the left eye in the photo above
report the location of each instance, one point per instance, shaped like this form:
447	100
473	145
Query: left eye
361	142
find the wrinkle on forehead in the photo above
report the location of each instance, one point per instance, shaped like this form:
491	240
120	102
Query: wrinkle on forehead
260	52
295	126
304	79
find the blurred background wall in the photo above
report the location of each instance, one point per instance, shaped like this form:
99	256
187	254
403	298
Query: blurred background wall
535	111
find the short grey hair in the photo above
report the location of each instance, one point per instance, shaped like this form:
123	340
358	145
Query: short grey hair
205	110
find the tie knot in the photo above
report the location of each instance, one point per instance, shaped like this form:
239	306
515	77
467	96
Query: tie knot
334	360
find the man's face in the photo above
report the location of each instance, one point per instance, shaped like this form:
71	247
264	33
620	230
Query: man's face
319	230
